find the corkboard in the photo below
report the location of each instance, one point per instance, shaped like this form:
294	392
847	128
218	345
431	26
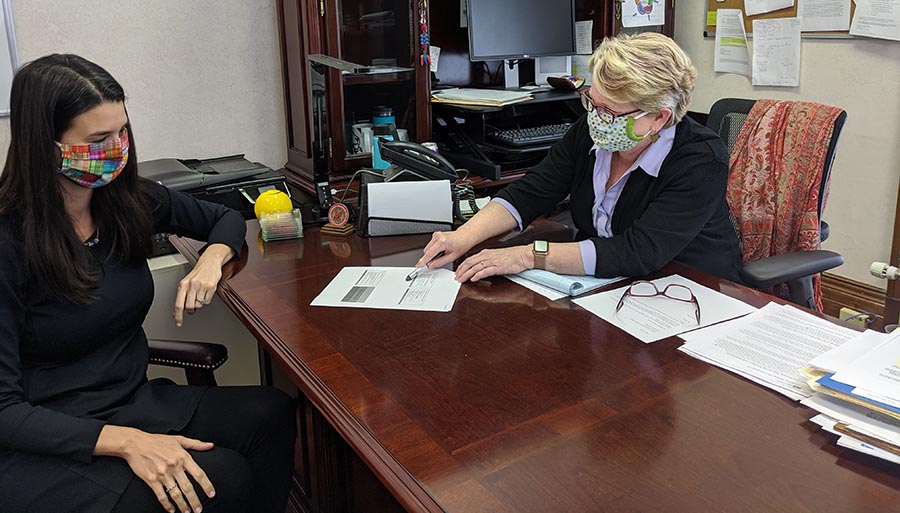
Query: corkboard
790	12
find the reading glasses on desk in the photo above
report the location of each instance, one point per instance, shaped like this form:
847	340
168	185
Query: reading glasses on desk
676	291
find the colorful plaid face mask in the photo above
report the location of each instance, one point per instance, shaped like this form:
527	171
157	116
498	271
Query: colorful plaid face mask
96	164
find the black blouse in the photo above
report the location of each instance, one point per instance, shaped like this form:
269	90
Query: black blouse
67	369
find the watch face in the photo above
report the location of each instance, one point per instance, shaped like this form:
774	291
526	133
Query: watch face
541	246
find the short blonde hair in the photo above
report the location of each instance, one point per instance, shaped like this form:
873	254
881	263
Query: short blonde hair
648	69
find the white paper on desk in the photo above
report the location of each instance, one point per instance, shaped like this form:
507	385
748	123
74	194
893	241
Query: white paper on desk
643	13
823	15
859	446
839	357
876	374
386	288
776	52
654	318
584	39
732	54
877	18
858	418
581	68
770	346
754	7
426	200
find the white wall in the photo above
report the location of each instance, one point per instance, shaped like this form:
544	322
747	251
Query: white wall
863	77
203	77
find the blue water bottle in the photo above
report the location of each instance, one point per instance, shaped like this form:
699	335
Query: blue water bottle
387	132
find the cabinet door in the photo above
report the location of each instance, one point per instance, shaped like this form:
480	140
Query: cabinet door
300	36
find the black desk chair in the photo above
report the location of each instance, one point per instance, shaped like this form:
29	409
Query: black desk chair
797	269
198	359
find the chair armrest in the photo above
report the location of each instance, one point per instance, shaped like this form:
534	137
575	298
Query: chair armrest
770	271
182	354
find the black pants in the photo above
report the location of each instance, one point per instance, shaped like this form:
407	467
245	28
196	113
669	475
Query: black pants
253	429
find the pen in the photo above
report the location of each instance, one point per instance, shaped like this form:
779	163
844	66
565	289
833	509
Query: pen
415	272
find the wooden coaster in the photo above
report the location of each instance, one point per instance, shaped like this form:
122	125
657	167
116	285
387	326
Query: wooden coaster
332	229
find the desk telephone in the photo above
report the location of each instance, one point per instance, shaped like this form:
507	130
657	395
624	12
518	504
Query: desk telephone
418	159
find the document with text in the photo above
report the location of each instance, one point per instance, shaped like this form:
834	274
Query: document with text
732	54
655	318
769	347
387	288
776	52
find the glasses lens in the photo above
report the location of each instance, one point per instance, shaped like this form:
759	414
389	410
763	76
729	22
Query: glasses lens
643	288
606	116
586	102
679	292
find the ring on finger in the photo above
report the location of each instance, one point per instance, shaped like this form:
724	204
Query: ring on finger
201	301
173	487
483	265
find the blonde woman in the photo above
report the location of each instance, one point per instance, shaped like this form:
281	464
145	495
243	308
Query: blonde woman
646	184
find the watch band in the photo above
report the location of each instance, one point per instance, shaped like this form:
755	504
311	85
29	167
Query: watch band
540	249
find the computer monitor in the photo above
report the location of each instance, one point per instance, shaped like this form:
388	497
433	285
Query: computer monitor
520	29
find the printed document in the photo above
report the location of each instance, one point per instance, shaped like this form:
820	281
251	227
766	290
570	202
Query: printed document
769	346
754	7
387	288
584	39
655	318
732	54
823	15
776	52
877	18
844	354
876	375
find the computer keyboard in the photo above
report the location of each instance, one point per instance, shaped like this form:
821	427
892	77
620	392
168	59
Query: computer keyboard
530	136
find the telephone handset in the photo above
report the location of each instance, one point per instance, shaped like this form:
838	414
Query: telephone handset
417	159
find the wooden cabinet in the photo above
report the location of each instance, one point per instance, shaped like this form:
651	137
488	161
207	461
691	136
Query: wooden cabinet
320	114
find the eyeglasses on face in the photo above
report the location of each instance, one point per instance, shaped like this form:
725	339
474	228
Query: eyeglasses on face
674	291
606	115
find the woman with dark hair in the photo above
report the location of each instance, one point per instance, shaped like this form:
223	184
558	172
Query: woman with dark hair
81	427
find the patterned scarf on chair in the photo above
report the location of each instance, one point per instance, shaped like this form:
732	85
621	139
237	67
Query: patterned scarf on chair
775	177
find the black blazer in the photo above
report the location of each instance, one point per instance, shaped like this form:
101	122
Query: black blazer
680	216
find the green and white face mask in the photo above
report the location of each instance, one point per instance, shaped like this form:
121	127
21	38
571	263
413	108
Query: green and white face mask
614	133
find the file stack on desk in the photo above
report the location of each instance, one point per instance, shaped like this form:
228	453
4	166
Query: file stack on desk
769	347
480	97
858	394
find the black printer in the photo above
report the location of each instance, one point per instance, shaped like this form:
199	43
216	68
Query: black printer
233	181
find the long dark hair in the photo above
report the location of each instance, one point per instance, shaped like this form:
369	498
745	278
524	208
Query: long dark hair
47	94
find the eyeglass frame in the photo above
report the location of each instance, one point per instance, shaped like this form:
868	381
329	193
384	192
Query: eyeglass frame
588	103
693	298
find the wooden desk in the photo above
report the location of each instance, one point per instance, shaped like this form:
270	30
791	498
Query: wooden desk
513	403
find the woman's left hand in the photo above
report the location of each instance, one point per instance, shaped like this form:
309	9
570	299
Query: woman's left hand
198	288
491	262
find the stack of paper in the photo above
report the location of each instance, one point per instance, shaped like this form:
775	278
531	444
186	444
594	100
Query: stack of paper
480	97
858	397
556	286
769	346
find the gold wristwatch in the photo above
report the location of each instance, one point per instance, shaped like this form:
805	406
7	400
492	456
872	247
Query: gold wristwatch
540	249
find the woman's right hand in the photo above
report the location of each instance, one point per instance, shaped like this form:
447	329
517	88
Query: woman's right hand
161	461
453	245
